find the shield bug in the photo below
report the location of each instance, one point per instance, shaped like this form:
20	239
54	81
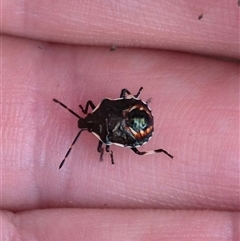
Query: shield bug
126	121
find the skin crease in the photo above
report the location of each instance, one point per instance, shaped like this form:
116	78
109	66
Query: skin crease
63	51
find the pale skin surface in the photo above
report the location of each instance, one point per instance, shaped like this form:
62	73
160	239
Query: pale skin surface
194	99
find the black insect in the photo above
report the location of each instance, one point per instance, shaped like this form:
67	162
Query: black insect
126	121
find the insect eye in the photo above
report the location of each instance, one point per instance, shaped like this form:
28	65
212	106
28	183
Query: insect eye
138	120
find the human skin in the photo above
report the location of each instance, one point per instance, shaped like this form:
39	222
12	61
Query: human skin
62	51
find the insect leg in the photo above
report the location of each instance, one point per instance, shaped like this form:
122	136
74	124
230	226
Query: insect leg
124	91
89	103
150	152
64	106
138	93
100	150
69	150
111	153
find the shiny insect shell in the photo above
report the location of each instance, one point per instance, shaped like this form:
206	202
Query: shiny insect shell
126	121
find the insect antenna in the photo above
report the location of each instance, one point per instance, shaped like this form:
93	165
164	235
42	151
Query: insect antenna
74	141
64	106
69	150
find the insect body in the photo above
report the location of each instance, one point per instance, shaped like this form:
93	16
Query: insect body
126	121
